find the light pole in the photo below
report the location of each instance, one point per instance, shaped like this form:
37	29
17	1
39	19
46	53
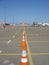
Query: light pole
4	14
4	17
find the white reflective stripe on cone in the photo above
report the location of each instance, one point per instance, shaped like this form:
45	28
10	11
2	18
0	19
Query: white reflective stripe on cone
24	53
23	32
24	60
23	37
23	40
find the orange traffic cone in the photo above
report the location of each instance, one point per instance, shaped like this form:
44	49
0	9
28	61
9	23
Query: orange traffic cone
23	32
23	44
24	60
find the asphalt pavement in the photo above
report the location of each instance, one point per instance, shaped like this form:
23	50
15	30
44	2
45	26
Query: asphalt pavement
37	39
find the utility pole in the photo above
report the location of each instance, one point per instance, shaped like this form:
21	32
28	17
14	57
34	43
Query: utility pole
4	17
4	14
13	19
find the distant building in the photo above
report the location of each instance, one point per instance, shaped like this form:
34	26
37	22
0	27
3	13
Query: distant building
1	23
40	24
45	24
24	24
35	24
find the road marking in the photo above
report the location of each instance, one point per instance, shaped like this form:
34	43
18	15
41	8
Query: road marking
39	53
9	41
10	54
16	33
13	36
14	54
29	54
0	51
6	61
11	64
38	41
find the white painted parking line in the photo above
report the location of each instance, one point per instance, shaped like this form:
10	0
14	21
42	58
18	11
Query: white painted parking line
0	51
17	33
13	36
6	61
9	41
11	64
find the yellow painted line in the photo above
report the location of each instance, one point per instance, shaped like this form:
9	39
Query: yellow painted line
29	54
39	53
10	54
37	41
14	54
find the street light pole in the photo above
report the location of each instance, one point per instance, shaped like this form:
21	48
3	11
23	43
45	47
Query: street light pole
4	14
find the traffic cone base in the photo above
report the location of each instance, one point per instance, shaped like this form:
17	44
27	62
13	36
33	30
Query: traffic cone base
24	63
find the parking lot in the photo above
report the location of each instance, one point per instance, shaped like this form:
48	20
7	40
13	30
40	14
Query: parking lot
37	40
